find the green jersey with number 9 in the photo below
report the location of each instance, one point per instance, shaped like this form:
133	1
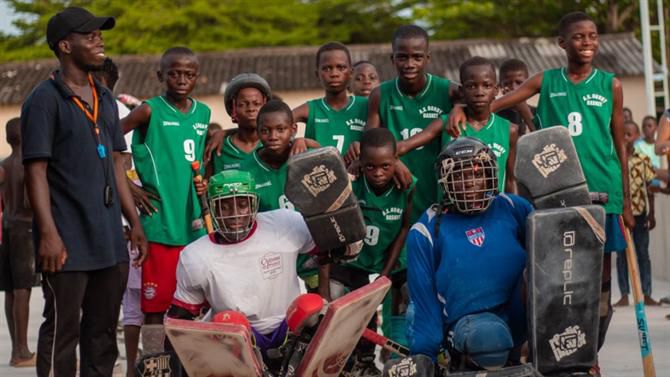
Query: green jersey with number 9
383	216
406	116
336	128
163	157
585	109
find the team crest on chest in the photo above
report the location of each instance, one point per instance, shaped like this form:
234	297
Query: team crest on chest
476	236
355	124
430	112
200	128
594	100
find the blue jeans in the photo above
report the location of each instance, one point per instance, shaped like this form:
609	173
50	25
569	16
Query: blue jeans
641	241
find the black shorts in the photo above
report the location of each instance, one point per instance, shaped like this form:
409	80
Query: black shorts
17	257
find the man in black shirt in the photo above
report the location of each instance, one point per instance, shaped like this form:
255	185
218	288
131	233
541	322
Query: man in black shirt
76	183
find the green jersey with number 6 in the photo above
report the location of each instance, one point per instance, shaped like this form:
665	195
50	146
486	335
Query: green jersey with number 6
231	157
383	216
406	116
585	109
336	128
163	158
270	183
495	134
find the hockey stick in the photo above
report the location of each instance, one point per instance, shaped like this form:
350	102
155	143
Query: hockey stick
204	206
385	343
638	298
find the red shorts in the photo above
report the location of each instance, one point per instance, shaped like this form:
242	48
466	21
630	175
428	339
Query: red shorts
159	277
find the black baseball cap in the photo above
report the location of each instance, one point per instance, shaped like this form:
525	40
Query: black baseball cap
74	19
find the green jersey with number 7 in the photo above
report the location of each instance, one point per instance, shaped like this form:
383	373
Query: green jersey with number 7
406	116
163	158
585	108
336	128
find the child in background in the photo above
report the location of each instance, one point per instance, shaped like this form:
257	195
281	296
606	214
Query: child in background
641	174
513	72
365	78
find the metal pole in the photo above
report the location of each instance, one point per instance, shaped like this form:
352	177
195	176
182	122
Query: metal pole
648	60
664	56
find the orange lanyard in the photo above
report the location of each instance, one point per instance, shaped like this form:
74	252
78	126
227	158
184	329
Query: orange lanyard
92	117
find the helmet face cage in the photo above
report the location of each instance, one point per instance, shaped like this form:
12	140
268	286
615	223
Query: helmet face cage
239	214
470	184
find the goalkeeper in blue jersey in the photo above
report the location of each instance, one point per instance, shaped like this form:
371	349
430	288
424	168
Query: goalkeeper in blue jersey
466	259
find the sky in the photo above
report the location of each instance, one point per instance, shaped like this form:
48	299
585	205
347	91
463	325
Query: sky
6	17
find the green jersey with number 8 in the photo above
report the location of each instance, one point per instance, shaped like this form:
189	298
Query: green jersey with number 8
163	158
336	128
585	109
406	116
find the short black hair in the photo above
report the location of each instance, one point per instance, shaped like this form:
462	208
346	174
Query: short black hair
407	32
175	51
570	19
108	72
274	106
361	62
13	132
513	65
627	109
473	62
379	137
632	123
648	117
332	46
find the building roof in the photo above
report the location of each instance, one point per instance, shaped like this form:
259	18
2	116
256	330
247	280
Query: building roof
292	68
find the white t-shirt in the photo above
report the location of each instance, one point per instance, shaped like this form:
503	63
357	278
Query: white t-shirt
256	276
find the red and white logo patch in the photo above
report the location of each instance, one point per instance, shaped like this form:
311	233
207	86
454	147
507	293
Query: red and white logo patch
476	236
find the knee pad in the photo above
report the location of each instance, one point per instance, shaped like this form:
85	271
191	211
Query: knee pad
305	311
153	339
484	338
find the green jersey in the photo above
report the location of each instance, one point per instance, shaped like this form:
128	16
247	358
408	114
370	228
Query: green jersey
383	216
163	158
585	109
406	116
495	134
270	183
337	128
231	157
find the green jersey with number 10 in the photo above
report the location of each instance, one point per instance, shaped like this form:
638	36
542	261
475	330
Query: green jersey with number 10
163	158
585	109
406	116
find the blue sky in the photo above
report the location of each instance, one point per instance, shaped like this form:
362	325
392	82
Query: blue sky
6	17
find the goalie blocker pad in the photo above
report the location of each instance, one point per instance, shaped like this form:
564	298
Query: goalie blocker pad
422	366
565	247
548	171
317	183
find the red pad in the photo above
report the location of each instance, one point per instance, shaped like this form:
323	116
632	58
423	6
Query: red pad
213	349
341	328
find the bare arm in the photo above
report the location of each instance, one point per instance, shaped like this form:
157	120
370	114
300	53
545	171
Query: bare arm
374	120
139	117
616	126
138	240
510	177
455	94
433	130
301	113
51	250
663	136
393	252
528	89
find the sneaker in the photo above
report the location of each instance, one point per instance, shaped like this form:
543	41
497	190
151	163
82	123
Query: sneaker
364	366
623	301
648	301
665	300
